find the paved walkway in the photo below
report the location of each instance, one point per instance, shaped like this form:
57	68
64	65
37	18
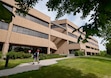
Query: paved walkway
28	67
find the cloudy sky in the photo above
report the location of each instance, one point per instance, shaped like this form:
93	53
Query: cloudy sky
75	19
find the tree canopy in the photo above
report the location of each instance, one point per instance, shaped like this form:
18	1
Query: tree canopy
5	14
106	32
100	16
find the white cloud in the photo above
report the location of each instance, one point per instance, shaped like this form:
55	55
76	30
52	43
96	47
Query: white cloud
41	6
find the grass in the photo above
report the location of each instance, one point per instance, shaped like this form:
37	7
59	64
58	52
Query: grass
82	67
13	63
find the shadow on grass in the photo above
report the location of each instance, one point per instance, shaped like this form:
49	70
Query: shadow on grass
102	59
54	71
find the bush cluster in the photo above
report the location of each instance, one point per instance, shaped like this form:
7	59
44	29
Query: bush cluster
49	56
102	53
22	55
18	55
79	53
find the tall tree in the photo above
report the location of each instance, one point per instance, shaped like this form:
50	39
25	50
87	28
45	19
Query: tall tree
108	47
106	35
106	32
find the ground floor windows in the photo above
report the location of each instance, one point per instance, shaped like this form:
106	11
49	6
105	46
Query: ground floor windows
72	51
23	48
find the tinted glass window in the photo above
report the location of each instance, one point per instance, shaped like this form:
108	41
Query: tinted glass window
4	25
72	35
27	31
35	19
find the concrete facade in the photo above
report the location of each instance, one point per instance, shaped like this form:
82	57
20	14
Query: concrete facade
36	30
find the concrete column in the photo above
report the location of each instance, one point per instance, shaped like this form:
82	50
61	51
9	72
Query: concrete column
6	43
91	53
85	53
48	50
5	49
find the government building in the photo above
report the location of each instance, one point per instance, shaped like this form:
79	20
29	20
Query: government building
36	30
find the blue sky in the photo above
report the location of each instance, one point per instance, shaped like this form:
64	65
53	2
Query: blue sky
75	19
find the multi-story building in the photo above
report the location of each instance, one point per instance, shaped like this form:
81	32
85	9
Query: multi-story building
66	28
36	30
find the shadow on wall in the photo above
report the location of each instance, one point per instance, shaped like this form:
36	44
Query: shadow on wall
55	71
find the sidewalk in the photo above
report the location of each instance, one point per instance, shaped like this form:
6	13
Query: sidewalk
29	66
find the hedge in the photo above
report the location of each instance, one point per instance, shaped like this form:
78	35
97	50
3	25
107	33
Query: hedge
49	56
22	55
79	53
18	55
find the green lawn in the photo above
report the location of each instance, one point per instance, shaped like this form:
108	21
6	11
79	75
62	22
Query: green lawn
13	63
84	67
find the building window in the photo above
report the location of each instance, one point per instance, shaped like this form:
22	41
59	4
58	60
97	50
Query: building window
71	42
92	43
71	27
34	19
57	26
72	35
64	25
27	31
3	25
87	47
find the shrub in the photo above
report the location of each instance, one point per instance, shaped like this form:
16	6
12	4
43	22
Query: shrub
79	53
18	55
49	56
102	53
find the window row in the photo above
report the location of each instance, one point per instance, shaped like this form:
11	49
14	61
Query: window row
27	31
56	26
70	42
72	35
34	19
69	26
91	48
64	25
94	40
4	25
92	43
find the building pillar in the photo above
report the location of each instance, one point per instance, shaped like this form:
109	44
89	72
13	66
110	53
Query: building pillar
85	53
91	53
5	49
6	43
48	50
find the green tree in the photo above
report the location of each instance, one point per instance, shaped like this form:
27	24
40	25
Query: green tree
106	35
108	47
106	32
24	7
5	14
